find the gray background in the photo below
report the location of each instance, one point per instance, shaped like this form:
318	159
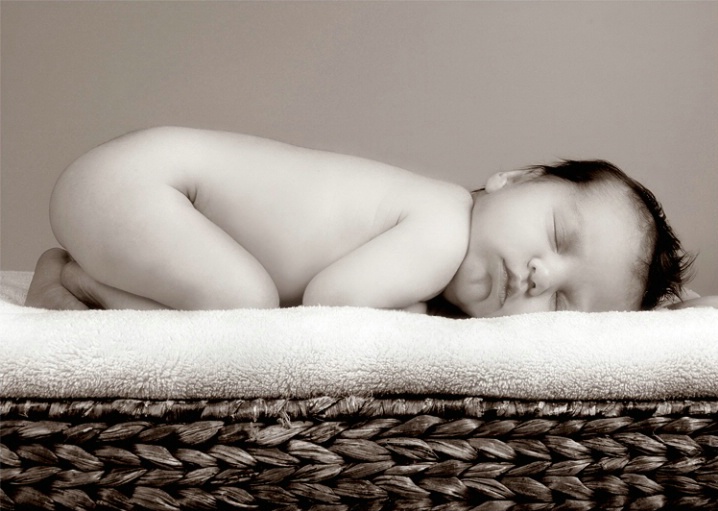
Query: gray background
453	90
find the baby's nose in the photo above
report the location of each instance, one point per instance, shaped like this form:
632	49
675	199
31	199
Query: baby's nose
539	279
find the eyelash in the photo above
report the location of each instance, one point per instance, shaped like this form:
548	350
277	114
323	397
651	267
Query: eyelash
555	297
555	234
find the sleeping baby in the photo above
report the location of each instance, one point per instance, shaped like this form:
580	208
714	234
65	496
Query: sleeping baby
187	219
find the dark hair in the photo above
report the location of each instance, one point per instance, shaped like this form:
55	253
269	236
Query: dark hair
667	268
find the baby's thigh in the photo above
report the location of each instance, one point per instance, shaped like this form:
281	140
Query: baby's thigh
147	238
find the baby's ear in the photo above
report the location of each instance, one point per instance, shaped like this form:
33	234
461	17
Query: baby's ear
502	179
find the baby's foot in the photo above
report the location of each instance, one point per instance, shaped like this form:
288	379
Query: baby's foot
46	289
82	286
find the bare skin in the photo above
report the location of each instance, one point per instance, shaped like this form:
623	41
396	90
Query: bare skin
49	290
59	283
193	219
703	301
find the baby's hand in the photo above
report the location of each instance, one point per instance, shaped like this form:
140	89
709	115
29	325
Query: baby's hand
703	301
419	308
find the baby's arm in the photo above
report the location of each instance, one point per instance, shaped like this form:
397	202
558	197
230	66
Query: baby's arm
418	308
411	262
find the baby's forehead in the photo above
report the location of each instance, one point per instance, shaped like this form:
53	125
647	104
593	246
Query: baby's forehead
609	194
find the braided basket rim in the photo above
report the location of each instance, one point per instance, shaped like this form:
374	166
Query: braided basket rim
349	407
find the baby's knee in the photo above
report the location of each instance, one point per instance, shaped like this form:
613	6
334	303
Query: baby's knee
266	299
252	292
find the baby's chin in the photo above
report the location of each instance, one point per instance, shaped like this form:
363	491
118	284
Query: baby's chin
488	309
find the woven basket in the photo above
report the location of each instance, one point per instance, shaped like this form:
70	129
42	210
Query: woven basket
359	453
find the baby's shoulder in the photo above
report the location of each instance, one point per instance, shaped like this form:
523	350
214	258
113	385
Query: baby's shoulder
432	197
440	212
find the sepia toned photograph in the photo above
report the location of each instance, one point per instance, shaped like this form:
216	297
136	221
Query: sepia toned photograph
359	254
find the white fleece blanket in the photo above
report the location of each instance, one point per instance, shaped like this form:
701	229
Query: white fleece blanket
309	351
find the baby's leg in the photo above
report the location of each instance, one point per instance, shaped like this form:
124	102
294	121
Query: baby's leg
60	283
147	239
99	296
46	289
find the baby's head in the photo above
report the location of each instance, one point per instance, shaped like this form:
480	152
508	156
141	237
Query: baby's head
578	235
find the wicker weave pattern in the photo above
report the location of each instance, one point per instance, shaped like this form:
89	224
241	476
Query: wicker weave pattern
359	453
